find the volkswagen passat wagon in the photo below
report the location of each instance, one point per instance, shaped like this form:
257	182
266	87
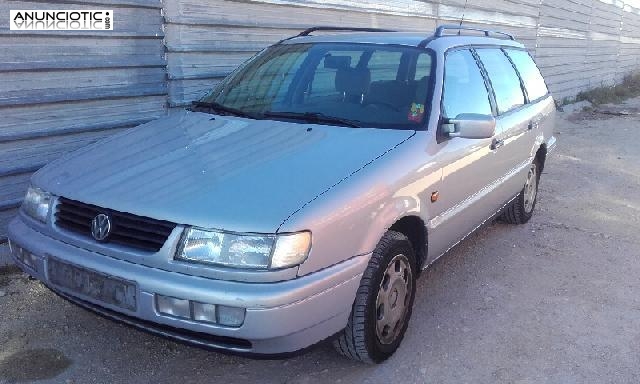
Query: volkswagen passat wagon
301	197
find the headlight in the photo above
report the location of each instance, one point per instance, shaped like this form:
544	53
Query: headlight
244	250
37	203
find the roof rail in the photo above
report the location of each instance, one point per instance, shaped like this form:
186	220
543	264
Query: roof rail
308	31
441	29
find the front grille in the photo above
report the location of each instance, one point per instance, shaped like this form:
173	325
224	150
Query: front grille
133	231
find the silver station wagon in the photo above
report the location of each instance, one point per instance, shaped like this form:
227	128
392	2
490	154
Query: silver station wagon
299	199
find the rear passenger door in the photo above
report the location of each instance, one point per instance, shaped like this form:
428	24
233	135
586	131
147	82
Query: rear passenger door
514	140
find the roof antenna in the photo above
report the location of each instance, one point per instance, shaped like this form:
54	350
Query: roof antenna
462	19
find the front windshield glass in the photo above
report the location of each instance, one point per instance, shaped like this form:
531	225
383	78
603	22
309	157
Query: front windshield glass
355	85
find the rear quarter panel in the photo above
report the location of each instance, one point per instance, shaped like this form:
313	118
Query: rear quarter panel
545	112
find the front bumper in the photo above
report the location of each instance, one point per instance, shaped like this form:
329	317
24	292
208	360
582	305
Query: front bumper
281	317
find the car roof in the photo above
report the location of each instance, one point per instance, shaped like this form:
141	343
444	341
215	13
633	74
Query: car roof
410	39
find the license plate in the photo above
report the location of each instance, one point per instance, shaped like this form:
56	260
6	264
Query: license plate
98	286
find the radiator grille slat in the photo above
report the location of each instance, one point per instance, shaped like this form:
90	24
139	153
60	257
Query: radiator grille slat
138	232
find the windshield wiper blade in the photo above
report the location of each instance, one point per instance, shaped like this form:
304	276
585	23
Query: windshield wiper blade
217	107
314	117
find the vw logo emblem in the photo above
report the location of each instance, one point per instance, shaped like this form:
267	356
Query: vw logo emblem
101	227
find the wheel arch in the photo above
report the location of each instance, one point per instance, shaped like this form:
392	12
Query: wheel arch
541	156
415	229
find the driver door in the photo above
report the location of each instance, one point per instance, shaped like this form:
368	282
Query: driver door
468	165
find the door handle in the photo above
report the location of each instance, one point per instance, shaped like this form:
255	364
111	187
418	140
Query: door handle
495	144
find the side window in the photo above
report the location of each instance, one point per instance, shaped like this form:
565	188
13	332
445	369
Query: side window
504	79
423	66
464	89
384	65
533	81
422	78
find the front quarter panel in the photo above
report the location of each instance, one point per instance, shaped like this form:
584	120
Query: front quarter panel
349	219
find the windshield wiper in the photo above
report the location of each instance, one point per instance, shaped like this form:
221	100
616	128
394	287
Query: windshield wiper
221	109
315	118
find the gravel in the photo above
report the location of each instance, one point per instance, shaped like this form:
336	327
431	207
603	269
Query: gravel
554	301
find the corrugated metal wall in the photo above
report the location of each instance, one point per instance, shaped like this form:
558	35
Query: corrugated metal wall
62	90
585	44
59	91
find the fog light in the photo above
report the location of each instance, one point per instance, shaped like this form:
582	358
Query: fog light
230	316
204	312
173	307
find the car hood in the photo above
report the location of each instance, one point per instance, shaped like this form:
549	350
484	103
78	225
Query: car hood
216	172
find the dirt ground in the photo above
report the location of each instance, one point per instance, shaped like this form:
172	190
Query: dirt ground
553	301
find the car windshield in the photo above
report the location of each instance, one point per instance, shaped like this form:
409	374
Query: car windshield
351	85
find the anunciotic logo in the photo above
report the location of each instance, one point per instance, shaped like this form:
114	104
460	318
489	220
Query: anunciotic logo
61	20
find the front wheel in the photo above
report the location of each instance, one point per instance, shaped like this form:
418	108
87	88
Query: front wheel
520	210
382	308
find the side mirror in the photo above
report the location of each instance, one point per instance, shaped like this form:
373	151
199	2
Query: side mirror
471	126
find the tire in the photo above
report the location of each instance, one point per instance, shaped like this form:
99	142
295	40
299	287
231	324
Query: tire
382	307
520	210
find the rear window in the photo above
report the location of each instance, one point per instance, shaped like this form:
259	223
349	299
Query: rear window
504	79
533	81
384	65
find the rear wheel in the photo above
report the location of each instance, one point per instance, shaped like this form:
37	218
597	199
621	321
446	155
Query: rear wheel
520	210
382	308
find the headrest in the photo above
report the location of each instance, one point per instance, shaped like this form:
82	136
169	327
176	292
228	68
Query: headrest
353	81
337	62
